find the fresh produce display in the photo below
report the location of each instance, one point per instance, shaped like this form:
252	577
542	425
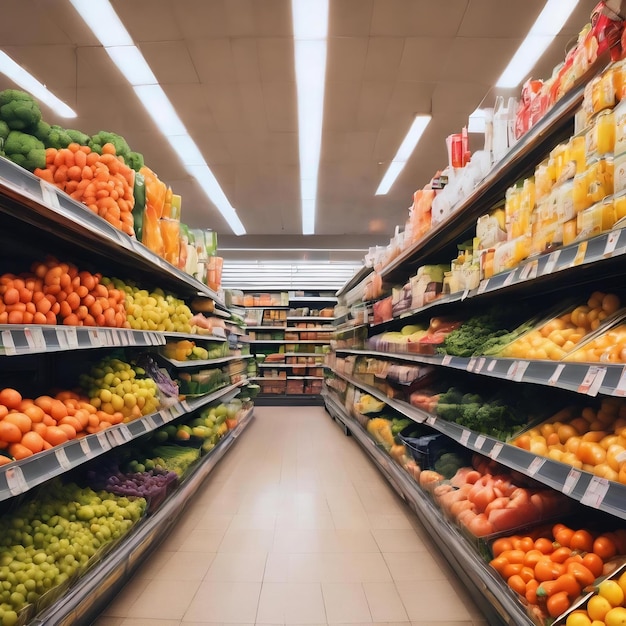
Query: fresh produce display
487	498
114	386
101	181
610	347
58	293
591	438
45	541
556	338
607	606
414	338
29	426
177	459
185	350
203	381
153	310
550	567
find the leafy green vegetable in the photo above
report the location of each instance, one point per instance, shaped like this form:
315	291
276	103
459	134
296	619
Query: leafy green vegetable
19	110
134	160
99	139
25	150
78	137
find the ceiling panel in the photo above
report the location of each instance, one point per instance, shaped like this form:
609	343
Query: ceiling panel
228	68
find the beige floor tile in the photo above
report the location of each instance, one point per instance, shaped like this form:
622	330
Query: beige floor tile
351	520
226	602
122	602
345	603
138	621
291	603
211	521
296	541
185	566
398	540
445	623
202	541
163	599
354	568
253	522
277	568
432	601
237	567
414	566
384	602
390	522
154	563
239	540
304	520
108	621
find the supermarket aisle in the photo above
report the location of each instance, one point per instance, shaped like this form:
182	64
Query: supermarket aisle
295	526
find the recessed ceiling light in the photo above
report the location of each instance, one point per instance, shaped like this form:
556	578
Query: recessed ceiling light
310	31
403	154
542	33
105	24
29	83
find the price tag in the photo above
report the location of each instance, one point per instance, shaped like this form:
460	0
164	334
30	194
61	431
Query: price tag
492	365
431	420
509	279
580	254
84	446
125	432
482	287
49	195
480	364
465	435
7	343
103	440
535	465
511	371
176	410
551	262
72	337
94	338
61	456
595	492
529	271
29	338
446	360
185	406
556	374
148	420
115	437
465	294
611	242
620	389
593	380
480	442
522	366
15	480
125	339
471	364
494	453
62	339
39	340
115	338
570	481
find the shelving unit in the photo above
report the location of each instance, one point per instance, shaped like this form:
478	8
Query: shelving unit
577	264
38	219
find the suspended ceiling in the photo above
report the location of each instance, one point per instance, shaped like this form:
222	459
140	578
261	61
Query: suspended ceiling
228	68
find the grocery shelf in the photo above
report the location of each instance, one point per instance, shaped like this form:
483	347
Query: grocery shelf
493	596
16	339
87	598
288	377
290	400
585	378
306	330
526	153
195	336
298	299
27	199
304	354
308	318
261	327
20	476
585	487
359	276
203	362
298	341
273	365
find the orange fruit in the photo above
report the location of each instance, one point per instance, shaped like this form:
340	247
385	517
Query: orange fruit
10	432
55	435
11	398
33	441
23	422
18	451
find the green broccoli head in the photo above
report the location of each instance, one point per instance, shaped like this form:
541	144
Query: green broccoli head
449	412
25	150
4	133
99	139
57	138
19	110
134	160
452	396
41	130
471	398
78	137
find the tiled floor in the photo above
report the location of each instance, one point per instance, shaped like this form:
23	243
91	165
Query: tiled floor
295	526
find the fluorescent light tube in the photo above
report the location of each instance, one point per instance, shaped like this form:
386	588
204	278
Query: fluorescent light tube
160	108
403	154
29	83
131	63
104	22
187	150
542	33
310	29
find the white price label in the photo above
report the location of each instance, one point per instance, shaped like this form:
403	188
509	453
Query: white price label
7	343
522	366
480	442
465	435
494	453
509	279
595	492
535	465
72	337
431	420
29	338
483	286
529	271
115	338
15	480
49	194
471	364
465	294
148	420
580	254
611	242
103	440
62	338
84	446
185	406
492	365
556	374
61	456
551	262
446	360
176	410
125	338
570	481
511	371
166	416
39	340
115	437
94	338
125	432
620	389
593	380
480	364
